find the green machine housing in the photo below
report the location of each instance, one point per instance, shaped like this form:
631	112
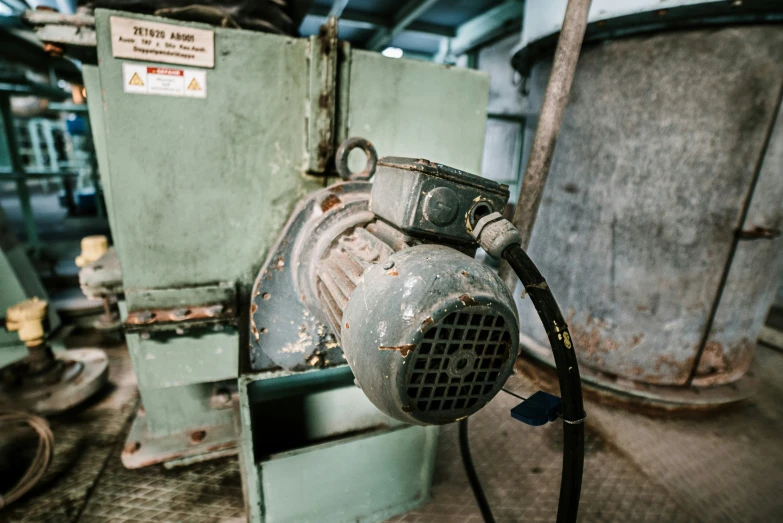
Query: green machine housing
197	191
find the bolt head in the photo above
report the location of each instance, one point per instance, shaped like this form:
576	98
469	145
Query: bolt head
388	265
441	206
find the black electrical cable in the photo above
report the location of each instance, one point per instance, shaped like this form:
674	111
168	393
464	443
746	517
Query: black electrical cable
572	410
567	374
470	470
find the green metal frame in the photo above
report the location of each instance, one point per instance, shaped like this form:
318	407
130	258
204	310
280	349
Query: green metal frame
377	467
196	192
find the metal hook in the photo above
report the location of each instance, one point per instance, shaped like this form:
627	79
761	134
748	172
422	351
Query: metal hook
341	159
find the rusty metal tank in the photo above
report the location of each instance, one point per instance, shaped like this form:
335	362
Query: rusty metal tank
660	222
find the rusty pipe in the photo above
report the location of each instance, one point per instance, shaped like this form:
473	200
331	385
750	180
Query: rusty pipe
561	78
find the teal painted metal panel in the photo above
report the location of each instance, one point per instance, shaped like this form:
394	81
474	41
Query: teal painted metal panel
372	478
171	360
92	83
200	187
419	109
299	428
223	293
179	409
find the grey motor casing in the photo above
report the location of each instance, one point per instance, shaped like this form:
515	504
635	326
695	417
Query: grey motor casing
432	338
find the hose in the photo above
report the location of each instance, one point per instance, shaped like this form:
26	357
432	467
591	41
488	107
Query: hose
567	374
43	454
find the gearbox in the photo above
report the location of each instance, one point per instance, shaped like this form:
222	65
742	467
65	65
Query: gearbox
382	276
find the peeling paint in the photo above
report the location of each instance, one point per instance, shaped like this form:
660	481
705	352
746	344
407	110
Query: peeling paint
468	300
404	349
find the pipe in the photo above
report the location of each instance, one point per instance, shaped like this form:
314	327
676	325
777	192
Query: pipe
555	100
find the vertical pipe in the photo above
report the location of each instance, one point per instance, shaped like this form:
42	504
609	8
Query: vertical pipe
561	78
18	171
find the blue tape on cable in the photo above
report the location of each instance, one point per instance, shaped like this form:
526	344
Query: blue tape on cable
539	409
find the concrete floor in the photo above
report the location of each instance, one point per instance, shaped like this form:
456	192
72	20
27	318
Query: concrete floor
637	469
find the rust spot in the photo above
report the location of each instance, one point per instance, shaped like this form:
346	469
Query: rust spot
545	378
324	100
679	370
662	12
280	263
465	273
323	150
589	341
196	314
713	360
132	447
326	42
757	232
731	364
337	188
266	296
53	50
347	326
468	300
253	308
329	202
264	330
426	323
197	436
393	272
404	349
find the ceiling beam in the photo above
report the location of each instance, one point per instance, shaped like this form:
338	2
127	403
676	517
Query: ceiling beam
499	21
402	19
371	22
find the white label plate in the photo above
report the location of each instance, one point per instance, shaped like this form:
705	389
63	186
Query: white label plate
166	81
167	43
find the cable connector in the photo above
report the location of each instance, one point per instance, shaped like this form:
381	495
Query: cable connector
494	233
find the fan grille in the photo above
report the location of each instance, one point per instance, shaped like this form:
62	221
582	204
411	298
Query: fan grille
458	362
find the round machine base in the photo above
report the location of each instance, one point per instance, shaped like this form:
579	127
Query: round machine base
606	388
84	372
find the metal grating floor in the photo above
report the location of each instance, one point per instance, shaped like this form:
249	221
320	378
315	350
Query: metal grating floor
637	469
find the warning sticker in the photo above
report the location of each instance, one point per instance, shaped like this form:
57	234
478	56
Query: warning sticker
165	81
166	43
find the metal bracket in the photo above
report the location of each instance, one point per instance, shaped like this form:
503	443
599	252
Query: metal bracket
322	97
177	309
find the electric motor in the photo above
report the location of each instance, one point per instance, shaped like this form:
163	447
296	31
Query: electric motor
382	276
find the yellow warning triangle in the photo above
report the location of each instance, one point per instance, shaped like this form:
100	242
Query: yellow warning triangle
135	80
194	86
